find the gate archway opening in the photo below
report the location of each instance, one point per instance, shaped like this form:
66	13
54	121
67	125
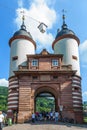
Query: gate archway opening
44	102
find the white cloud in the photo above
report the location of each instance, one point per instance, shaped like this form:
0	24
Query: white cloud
3	82
85	93
39	10
83	53
84	96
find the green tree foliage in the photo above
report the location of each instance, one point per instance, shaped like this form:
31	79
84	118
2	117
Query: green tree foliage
85	111
3	98
44	104
85	105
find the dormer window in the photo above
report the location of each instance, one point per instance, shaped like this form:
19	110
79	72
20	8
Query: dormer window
54	62
34	62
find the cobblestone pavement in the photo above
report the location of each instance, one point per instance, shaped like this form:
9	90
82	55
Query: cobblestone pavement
45	126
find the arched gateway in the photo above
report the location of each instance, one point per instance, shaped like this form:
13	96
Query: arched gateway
30	82
47	92
56	73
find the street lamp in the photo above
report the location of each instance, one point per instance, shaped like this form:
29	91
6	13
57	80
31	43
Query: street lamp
42	27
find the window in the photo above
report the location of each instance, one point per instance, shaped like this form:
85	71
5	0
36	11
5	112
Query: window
54	62
74	57
14	58
35	62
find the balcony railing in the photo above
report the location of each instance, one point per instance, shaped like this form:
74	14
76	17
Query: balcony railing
53	68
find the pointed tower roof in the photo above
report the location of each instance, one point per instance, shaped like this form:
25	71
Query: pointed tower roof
22	34
64	29
65	32
23	30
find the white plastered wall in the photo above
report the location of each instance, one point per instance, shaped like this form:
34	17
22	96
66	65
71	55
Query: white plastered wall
68	47
20	48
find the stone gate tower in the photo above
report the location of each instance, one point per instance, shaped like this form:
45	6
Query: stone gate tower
33	74
66	43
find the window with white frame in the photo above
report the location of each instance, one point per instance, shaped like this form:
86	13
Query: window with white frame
34	62
54	62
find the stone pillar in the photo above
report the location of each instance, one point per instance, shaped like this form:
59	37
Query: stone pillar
24	104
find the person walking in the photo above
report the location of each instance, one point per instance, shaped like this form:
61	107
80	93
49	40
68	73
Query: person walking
1	120
33	117
51	115
56	116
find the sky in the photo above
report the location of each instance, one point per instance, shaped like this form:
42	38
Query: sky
50	13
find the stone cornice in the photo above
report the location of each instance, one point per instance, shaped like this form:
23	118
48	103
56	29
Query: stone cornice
65	36
22	37
70	72
45	56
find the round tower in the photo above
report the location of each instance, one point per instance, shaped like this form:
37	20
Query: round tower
66	43
21	44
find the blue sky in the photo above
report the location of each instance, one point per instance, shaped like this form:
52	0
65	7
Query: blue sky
49	12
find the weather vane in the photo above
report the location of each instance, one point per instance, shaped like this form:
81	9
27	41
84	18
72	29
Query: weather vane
64	11
23	16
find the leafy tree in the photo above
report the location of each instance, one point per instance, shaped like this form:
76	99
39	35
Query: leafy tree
44	104
3	98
